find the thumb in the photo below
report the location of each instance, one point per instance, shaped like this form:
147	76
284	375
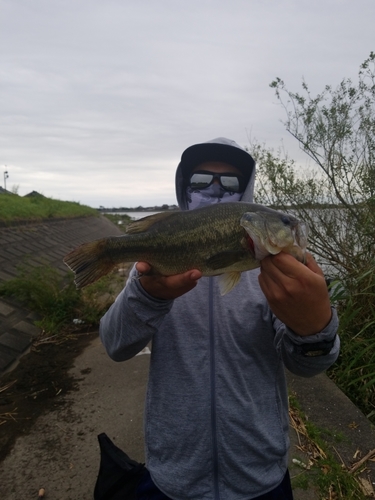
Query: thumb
143	267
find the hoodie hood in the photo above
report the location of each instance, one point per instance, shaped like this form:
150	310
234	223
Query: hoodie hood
220	149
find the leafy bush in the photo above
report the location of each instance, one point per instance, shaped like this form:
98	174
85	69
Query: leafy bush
354	372
336	197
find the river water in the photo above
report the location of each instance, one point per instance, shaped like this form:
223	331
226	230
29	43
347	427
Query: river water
134	215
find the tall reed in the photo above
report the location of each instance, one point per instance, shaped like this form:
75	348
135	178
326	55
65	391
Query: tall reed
354	372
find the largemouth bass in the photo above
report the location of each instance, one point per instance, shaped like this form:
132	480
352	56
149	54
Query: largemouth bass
222	239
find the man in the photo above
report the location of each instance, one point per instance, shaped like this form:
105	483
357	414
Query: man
216	417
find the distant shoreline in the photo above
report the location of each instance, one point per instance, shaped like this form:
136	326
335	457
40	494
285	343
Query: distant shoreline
139	209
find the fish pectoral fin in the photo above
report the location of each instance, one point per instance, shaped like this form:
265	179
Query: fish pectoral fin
141	225
228	281
224	259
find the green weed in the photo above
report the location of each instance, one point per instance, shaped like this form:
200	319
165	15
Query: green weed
323	472
55	299
354	371
121	220
99	296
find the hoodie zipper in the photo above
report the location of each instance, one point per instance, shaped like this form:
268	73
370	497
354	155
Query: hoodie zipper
213	389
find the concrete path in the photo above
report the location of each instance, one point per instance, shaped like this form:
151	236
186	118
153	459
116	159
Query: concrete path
61	453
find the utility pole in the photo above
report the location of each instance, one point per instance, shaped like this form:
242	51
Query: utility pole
5	178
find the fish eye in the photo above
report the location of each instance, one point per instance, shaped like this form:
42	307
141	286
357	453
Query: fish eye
285	220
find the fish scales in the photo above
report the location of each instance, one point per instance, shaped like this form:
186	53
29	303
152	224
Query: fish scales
194	239
183	235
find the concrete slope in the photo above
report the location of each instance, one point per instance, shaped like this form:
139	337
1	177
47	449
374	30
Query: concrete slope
30	245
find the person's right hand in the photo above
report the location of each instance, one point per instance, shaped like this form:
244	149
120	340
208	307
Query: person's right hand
167	287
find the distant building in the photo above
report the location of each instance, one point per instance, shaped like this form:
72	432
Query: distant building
33	193
4	191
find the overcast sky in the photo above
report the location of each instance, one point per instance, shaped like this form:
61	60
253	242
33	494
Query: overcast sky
100	97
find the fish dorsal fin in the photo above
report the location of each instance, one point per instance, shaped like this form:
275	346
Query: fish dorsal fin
141	225
228	281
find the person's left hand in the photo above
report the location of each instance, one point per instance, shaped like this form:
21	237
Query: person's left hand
297	294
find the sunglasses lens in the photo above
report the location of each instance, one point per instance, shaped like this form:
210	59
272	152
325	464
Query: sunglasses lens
230	183
200	181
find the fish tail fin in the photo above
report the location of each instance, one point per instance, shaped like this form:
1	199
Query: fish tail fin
89	262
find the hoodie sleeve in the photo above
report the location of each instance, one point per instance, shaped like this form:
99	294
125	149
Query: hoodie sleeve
130	323
290	346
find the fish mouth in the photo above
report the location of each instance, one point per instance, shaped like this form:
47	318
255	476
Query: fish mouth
300	232
267	235
250	244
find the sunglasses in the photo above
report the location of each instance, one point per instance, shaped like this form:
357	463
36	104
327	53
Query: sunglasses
229	182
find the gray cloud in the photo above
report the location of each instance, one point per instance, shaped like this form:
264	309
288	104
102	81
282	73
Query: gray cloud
99	99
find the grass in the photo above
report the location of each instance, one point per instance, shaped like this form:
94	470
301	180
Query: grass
15	208
57	302
354	372
321	471
121	220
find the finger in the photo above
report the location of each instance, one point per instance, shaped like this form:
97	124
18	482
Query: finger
281	265
170	287
143	267
281	273
182	280
294	269
265	282
284	273
284	264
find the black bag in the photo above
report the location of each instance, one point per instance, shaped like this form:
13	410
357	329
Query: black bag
119	475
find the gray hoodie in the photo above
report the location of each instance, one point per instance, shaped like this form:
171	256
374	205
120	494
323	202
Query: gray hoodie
216	416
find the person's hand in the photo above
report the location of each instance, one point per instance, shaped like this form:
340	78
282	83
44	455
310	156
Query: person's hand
297	293
167	287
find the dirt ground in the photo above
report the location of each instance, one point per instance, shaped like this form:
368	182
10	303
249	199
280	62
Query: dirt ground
37	386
